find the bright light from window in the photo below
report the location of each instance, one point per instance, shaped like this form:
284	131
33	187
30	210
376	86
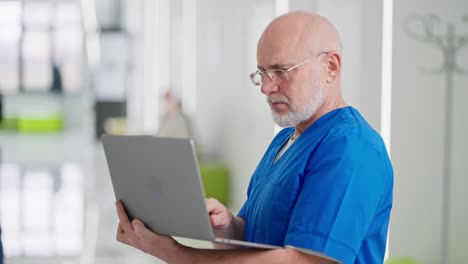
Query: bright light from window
386	95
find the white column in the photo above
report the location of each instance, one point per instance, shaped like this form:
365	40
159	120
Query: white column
156	73
188	71
133	23
386	87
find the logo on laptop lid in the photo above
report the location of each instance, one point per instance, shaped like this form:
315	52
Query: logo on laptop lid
155	186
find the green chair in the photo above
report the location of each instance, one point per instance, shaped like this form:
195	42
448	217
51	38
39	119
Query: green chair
401	260
215	178
53	123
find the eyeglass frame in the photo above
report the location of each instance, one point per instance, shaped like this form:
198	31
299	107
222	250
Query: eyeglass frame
286	71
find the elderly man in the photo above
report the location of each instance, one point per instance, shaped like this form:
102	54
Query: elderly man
325	182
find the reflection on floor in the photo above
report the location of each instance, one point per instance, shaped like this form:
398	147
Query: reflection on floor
42	210
61	212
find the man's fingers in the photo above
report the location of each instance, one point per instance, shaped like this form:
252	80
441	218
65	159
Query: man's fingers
121	211
146	237
120	229
211	204
219	221
124	222
214	206
213	220
121	236
126	232
140	229
219	215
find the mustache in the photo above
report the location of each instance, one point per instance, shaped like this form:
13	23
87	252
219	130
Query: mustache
272	99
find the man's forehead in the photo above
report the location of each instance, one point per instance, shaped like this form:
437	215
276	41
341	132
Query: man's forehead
280	46
295	37
270	55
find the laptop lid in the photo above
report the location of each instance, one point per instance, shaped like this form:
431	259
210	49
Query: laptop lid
158	181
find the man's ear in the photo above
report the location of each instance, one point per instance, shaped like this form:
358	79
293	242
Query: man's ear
333	66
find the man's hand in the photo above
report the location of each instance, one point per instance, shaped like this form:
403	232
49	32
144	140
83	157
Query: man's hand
135	234
220	217
224	224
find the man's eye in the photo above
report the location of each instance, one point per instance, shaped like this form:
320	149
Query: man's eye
280	69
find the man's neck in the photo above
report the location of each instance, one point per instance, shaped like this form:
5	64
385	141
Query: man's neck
326	107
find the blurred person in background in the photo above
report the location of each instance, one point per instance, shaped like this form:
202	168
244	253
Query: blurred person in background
325	182
174	123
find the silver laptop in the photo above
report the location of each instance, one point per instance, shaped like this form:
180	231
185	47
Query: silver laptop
158	180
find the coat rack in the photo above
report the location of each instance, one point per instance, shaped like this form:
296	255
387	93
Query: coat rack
423	28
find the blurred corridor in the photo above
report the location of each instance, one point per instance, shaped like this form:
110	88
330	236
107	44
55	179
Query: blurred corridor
71	70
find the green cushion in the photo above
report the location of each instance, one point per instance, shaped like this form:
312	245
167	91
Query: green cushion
49	124
215	178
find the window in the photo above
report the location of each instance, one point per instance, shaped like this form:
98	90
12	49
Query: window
41	46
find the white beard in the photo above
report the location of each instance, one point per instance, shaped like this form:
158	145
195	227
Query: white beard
297	114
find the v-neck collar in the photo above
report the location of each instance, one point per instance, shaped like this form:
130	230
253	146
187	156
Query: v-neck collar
318	123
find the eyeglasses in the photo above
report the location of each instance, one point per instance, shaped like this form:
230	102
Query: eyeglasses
258	76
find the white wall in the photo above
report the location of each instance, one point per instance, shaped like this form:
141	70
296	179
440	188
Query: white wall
371	61
417	141
232	117
346	16
359	23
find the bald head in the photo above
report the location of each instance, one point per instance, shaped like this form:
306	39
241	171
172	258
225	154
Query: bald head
303	94
298	35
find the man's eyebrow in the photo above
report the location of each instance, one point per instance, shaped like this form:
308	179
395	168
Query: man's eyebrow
275	66
280	66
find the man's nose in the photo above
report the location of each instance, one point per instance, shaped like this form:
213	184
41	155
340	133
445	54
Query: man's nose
268	86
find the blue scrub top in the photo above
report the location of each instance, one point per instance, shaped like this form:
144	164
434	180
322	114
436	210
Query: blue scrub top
331	191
